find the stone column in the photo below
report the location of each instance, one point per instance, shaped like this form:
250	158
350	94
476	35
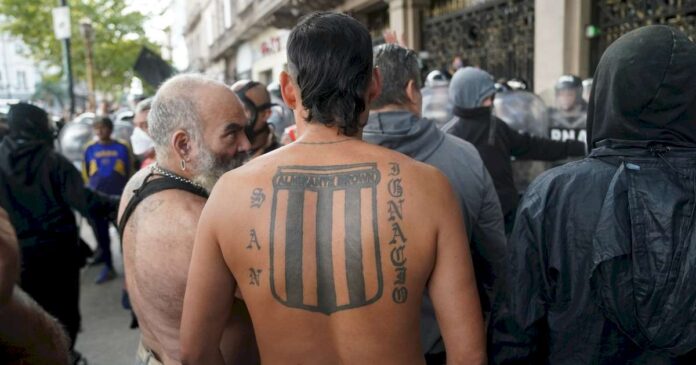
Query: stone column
406	19
560	45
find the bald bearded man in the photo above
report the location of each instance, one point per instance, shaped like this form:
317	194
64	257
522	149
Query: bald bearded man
332	240
197	125
257	104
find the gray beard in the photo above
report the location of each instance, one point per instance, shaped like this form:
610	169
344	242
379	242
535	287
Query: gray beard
210	168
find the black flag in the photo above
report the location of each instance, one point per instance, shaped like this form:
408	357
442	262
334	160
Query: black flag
151	68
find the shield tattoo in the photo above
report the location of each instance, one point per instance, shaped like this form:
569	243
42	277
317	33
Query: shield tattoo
323	257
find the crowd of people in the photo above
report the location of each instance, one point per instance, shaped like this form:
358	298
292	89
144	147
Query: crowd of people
325	219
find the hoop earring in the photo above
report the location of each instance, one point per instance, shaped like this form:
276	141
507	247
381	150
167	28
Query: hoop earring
183	165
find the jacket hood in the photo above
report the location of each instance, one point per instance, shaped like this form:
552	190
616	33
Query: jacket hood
27	122
644	247
643	89
405	132
470	87
23	159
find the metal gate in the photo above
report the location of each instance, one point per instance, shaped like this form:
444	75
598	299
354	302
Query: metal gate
497	36
618	17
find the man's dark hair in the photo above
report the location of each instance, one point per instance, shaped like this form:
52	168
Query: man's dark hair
330	59
105	121
398	66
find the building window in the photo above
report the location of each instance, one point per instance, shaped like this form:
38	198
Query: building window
21	80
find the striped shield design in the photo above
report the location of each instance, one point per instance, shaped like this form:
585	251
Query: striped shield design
323	257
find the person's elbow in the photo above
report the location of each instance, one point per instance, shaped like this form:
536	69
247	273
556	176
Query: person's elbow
474	357
193	351
191	355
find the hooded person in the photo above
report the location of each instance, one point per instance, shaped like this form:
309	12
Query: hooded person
472	91
39	189
395	123
604	249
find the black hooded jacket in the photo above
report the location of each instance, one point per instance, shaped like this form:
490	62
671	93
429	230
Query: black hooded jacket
603	254
39	188
497	143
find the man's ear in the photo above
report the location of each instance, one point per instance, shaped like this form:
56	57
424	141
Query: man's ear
375	88
412	91
182	145
288	90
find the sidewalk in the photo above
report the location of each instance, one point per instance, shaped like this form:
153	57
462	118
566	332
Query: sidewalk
106	338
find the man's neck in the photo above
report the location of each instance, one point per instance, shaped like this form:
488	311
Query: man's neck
394	108
314	133
173	165
106	141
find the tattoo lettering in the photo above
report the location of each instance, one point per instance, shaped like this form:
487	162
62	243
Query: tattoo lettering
257	198
255	277
400	295
340	188
394	169
395	210
398	241
254	241
395	189
397	234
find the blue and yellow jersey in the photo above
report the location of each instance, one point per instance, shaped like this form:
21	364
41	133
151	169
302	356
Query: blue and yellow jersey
107	166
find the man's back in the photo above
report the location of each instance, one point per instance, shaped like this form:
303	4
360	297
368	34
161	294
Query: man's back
332	259
157	251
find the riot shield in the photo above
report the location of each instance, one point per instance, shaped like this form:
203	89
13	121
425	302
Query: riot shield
526	113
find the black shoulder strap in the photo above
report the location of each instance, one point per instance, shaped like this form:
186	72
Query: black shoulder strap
151	187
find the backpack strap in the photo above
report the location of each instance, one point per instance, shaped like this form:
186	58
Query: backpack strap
151	187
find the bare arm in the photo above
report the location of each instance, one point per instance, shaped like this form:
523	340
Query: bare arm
452	286
31	335
9	258
209	291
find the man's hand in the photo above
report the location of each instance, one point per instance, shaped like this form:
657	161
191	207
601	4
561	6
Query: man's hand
9	258
391	37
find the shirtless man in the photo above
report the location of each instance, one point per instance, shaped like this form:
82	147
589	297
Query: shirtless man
28	335
198	129
331	240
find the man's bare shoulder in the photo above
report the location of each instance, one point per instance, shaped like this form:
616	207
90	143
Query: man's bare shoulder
133	183
186	205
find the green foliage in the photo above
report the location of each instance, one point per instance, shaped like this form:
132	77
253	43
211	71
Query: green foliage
118	37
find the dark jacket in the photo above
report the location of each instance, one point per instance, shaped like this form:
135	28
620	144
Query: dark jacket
40	188
497	143
459	161
602	258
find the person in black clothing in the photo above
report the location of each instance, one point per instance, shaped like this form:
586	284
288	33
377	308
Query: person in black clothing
471	92
603	253
39	189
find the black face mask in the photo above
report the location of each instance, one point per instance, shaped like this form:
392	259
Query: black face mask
254	110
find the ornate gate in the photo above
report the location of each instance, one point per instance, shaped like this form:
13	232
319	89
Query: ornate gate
618	17
497	36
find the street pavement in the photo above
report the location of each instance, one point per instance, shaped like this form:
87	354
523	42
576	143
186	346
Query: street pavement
106	338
